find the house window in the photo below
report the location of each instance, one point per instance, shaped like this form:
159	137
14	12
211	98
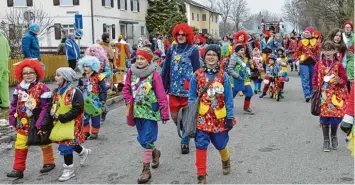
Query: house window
134	5
20	3
216	18
193	16
66	2
204	31
204	17
122	4
142	30
107	3
68	28
198	17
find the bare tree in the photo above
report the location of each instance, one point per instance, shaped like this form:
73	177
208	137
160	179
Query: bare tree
239	13
224	7
17	24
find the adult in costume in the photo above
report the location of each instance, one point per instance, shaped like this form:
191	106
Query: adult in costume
121	55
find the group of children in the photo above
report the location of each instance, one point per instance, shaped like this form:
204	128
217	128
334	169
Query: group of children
67	111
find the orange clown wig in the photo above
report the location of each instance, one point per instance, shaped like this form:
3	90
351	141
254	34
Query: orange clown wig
32	63
201	38
317	33
186	29
239	33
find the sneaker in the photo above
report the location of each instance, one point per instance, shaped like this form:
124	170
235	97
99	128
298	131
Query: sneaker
248	111
15	174
68	173
47	168
185	149
334	142
84	156
307	99
201	179
326	145
262	95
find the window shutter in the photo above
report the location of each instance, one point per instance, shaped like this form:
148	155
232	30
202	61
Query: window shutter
132	5
113	32
10	3
29	2
12	31
138	6
125	5
76	2
112	4
103	2
57	32
104	28
118	4
56	2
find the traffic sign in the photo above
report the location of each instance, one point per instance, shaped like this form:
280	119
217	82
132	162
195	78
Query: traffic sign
79	33
78	21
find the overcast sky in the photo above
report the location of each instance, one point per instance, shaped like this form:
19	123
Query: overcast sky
256	6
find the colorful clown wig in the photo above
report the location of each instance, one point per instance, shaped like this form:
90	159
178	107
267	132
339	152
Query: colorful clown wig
186	29
91	61
97	51
201	38
239	33
32	63
317	33
146	53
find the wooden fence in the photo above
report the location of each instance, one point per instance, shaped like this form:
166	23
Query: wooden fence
51	63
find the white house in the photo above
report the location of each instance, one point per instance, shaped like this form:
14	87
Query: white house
126	17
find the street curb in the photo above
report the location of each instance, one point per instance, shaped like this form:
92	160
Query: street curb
12	136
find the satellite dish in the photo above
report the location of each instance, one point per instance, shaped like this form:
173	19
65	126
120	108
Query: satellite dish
28	16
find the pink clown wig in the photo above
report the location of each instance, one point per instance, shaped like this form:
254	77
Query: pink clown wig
97	51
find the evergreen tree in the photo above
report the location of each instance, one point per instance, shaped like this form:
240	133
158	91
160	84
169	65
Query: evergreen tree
163	15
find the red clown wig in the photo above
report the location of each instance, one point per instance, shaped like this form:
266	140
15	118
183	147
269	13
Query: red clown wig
188	31
350	23
317	32
32	63
201	38
239	33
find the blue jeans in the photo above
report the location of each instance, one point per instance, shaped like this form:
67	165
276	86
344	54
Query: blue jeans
306	72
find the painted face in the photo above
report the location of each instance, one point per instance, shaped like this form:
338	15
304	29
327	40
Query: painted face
348	28
241	52
59	79
211	59
241	38
141	62
337	38
29	74
87	69
181	37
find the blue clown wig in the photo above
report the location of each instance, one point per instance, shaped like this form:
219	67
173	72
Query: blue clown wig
91	61
34	27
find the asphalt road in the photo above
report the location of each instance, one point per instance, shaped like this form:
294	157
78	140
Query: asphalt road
281	143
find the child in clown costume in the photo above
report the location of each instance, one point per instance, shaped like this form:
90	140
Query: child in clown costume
330	78
269	74
94	92
105	72
144	91
200	43
281	68
68	105
258	63
215	116
347	125
239	71
29	106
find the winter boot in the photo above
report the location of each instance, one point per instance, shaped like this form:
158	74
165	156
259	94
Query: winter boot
15	174
326	145
47	168
185	149
146	175
226	167
334	142
202	179
84	155
156	155
68	173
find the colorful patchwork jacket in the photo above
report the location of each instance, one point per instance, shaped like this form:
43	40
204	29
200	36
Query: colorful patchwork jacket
182	60
93	85
308	50
30	104
216	105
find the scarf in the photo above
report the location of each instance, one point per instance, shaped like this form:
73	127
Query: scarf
141	73
26	85
63	88
215	70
